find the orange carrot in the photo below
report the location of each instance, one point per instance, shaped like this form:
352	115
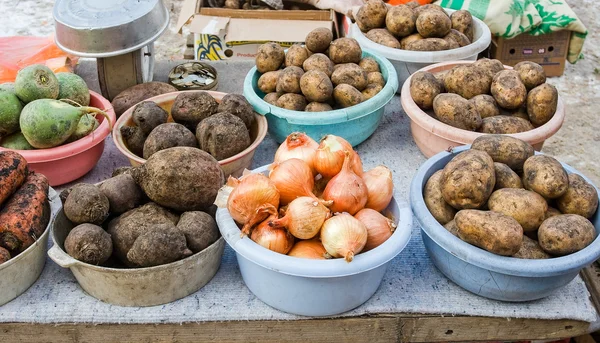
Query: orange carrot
26	214
13	171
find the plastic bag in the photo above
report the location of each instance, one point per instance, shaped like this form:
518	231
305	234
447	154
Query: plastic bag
20	51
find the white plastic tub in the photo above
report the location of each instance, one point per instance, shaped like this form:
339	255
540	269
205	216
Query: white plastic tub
408	62
314	287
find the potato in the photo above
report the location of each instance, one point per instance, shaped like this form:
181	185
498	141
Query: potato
428	44
490	66
462	21
200	230
272	98
454	110
506	177
406	41
89	243
371	15
292	101
223	135
319	62
267	82
541	104
508	90
485	105
424	88
237	105
375	78
428	7
400	21
345	50
531	74
370	91
552	212
520	112
190	108
451	227
433	24
346	95
4	255
369	64
120	171
351	74
289	80
167	175
468	179
316	86
167	136
138	93
159	244
383	37
452	44
86	204
504	125
122	192
434	200
565	234
545	176
296	55
504	149
530	249
440	76
527	207
318	107
318	40
269	57
492	231
467	81
413	4
580	198
457	36
147	115
134	139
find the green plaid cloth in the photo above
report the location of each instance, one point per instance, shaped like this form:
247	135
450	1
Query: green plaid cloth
509	18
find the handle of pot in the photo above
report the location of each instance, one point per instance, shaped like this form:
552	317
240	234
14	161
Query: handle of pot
60	257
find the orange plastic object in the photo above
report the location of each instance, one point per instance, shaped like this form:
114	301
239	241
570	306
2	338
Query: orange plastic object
400	2
17	52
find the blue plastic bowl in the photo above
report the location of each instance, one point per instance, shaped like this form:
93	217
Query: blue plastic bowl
355	124
486	274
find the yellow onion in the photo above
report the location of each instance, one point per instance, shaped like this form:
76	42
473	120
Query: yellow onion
343	236
347	190
380	187
298	145
379	227
330	157
277	240
248	195
303	218
311	249
293	178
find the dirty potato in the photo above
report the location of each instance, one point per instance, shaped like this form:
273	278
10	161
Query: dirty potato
289	80
541	104
295	56
428	44
420	9
292	101
376	78
492	231
458	37
565	234
370	91
552	212
351	74
319	62
454	110
433	24
424	87
267	82
406	41
530	249
545	176
504	149
462	21
383	37
316	86
490	66
508	90
434	200
318	40
371	15
451	227
485	105
318	107
369	64
346	95
269	57
531	74
467	81
345	50
527	207
580	198
272	98
505	125
468	179
400	21
506	177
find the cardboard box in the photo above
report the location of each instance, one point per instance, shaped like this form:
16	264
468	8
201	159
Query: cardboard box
221	34
550	50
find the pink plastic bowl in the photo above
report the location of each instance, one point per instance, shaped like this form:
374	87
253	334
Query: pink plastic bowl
433	136
69	162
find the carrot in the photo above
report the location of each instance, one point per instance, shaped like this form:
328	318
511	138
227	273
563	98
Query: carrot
4	255
26	214
13	171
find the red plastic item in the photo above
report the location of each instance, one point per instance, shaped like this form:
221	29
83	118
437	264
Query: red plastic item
17	52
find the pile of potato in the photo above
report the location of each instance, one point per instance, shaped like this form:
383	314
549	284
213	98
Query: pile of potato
415	27
146	216
485	97
501	197
221	129
322	76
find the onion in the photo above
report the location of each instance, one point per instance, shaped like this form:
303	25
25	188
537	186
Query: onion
379	227
380	187
312	249
330	156
303	218
293	178
343	236
298	145
277	240
347	190
251	192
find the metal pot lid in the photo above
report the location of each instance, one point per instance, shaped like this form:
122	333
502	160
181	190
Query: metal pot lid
105	28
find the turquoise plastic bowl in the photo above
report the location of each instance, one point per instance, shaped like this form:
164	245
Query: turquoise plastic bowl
355	124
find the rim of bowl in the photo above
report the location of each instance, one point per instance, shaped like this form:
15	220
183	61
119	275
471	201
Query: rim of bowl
80	145
440	129
119	141
309	268
485	259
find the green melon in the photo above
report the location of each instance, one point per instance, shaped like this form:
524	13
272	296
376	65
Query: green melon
36	82
10	111
74	88
87	124
16	141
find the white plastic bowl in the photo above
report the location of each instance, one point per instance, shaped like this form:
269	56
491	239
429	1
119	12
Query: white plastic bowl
314	287
408	62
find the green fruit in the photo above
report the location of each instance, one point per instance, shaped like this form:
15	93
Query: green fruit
16	141
36	82
73	87
87	124
10	110
8	87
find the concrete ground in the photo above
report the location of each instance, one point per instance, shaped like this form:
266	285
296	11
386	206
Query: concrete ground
576	143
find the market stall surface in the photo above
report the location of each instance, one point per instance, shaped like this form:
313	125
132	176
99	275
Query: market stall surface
414	303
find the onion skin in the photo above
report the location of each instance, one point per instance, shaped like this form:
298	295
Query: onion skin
311	249
274	239
303	218
343	236
251	192
329	158
379	227
347	190
380	187
298	145
293	178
